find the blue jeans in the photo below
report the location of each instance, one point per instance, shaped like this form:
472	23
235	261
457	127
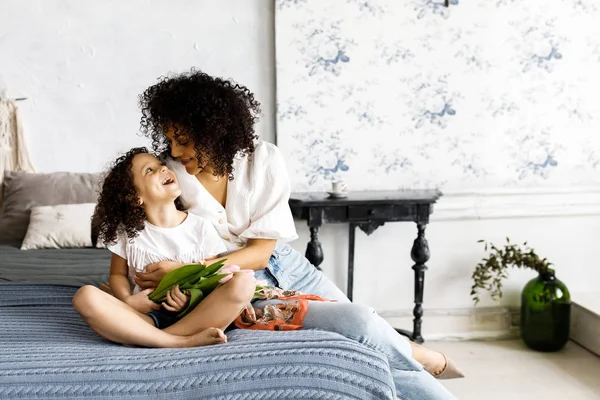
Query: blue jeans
289	269
362	324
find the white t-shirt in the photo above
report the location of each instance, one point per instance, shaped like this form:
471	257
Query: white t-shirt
257	199
195	239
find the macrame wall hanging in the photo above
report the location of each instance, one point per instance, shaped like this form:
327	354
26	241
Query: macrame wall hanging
13	151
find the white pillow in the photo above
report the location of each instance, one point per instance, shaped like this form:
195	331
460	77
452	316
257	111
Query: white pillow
54	227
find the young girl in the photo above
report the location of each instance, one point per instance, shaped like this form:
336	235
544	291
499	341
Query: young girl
139	217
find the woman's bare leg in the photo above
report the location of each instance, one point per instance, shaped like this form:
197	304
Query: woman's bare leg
434	362
118	322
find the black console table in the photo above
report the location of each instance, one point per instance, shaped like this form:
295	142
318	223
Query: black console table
368	211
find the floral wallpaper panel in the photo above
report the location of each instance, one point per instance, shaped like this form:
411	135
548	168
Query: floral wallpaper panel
394	94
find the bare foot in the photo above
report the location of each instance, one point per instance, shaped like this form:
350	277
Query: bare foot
432	361
204	338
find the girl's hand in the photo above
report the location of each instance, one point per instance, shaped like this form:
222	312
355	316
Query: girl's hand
176	299
152	275
140	302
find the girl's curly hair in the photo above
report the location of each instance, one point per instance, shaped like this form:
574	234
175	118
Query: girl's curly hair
118	209
219	115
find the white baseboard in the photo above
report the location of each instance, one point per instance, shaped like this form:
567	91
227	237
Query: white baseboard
486	323
517	203
499	323
585	321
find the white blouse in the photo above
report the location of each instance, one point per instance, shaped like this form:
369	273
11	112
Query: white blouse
190	242
257	199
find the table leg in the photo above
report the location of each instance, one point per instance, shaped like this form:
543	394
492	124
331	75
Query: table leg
314	251
351	240
420	255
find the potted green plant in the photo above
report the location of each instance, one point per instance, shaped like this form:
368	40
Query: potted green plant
545	301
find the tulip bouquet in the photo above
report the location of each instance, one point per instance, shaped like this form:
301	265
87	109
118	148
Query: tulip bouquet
196	281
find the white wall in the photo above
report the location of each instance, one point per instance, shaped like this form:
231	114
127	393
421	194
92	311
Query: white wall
82	65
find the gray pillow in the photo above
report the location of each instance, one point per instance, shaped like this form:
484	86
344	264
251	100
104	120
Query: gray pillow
24	190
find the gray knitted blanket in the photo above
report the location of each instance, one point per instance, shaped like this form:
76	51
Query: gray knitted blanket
46	351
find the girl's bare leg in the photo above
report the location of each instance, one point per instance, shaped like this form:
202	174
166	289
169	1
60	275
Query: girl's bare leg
218	309
118	322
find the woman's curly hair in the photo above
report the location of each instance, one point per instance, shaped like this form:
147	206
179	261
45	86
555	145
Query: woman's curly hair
219	115
118	209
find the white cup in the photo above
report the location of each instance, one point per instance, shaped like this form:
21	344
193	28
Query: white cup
338	187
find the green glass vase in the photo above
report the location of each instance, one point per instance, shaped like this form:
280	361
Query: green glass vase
545	313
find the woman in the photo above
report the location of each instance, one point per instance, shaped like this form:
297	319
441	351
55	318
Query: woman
205	127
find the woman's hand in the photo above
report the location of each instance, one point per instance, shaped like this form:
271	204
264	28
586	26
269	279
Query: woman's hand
254	256
152	275
230	270
140	302
176	299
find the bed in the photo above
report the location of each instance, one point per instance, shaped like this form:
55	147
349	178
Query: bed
46	351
